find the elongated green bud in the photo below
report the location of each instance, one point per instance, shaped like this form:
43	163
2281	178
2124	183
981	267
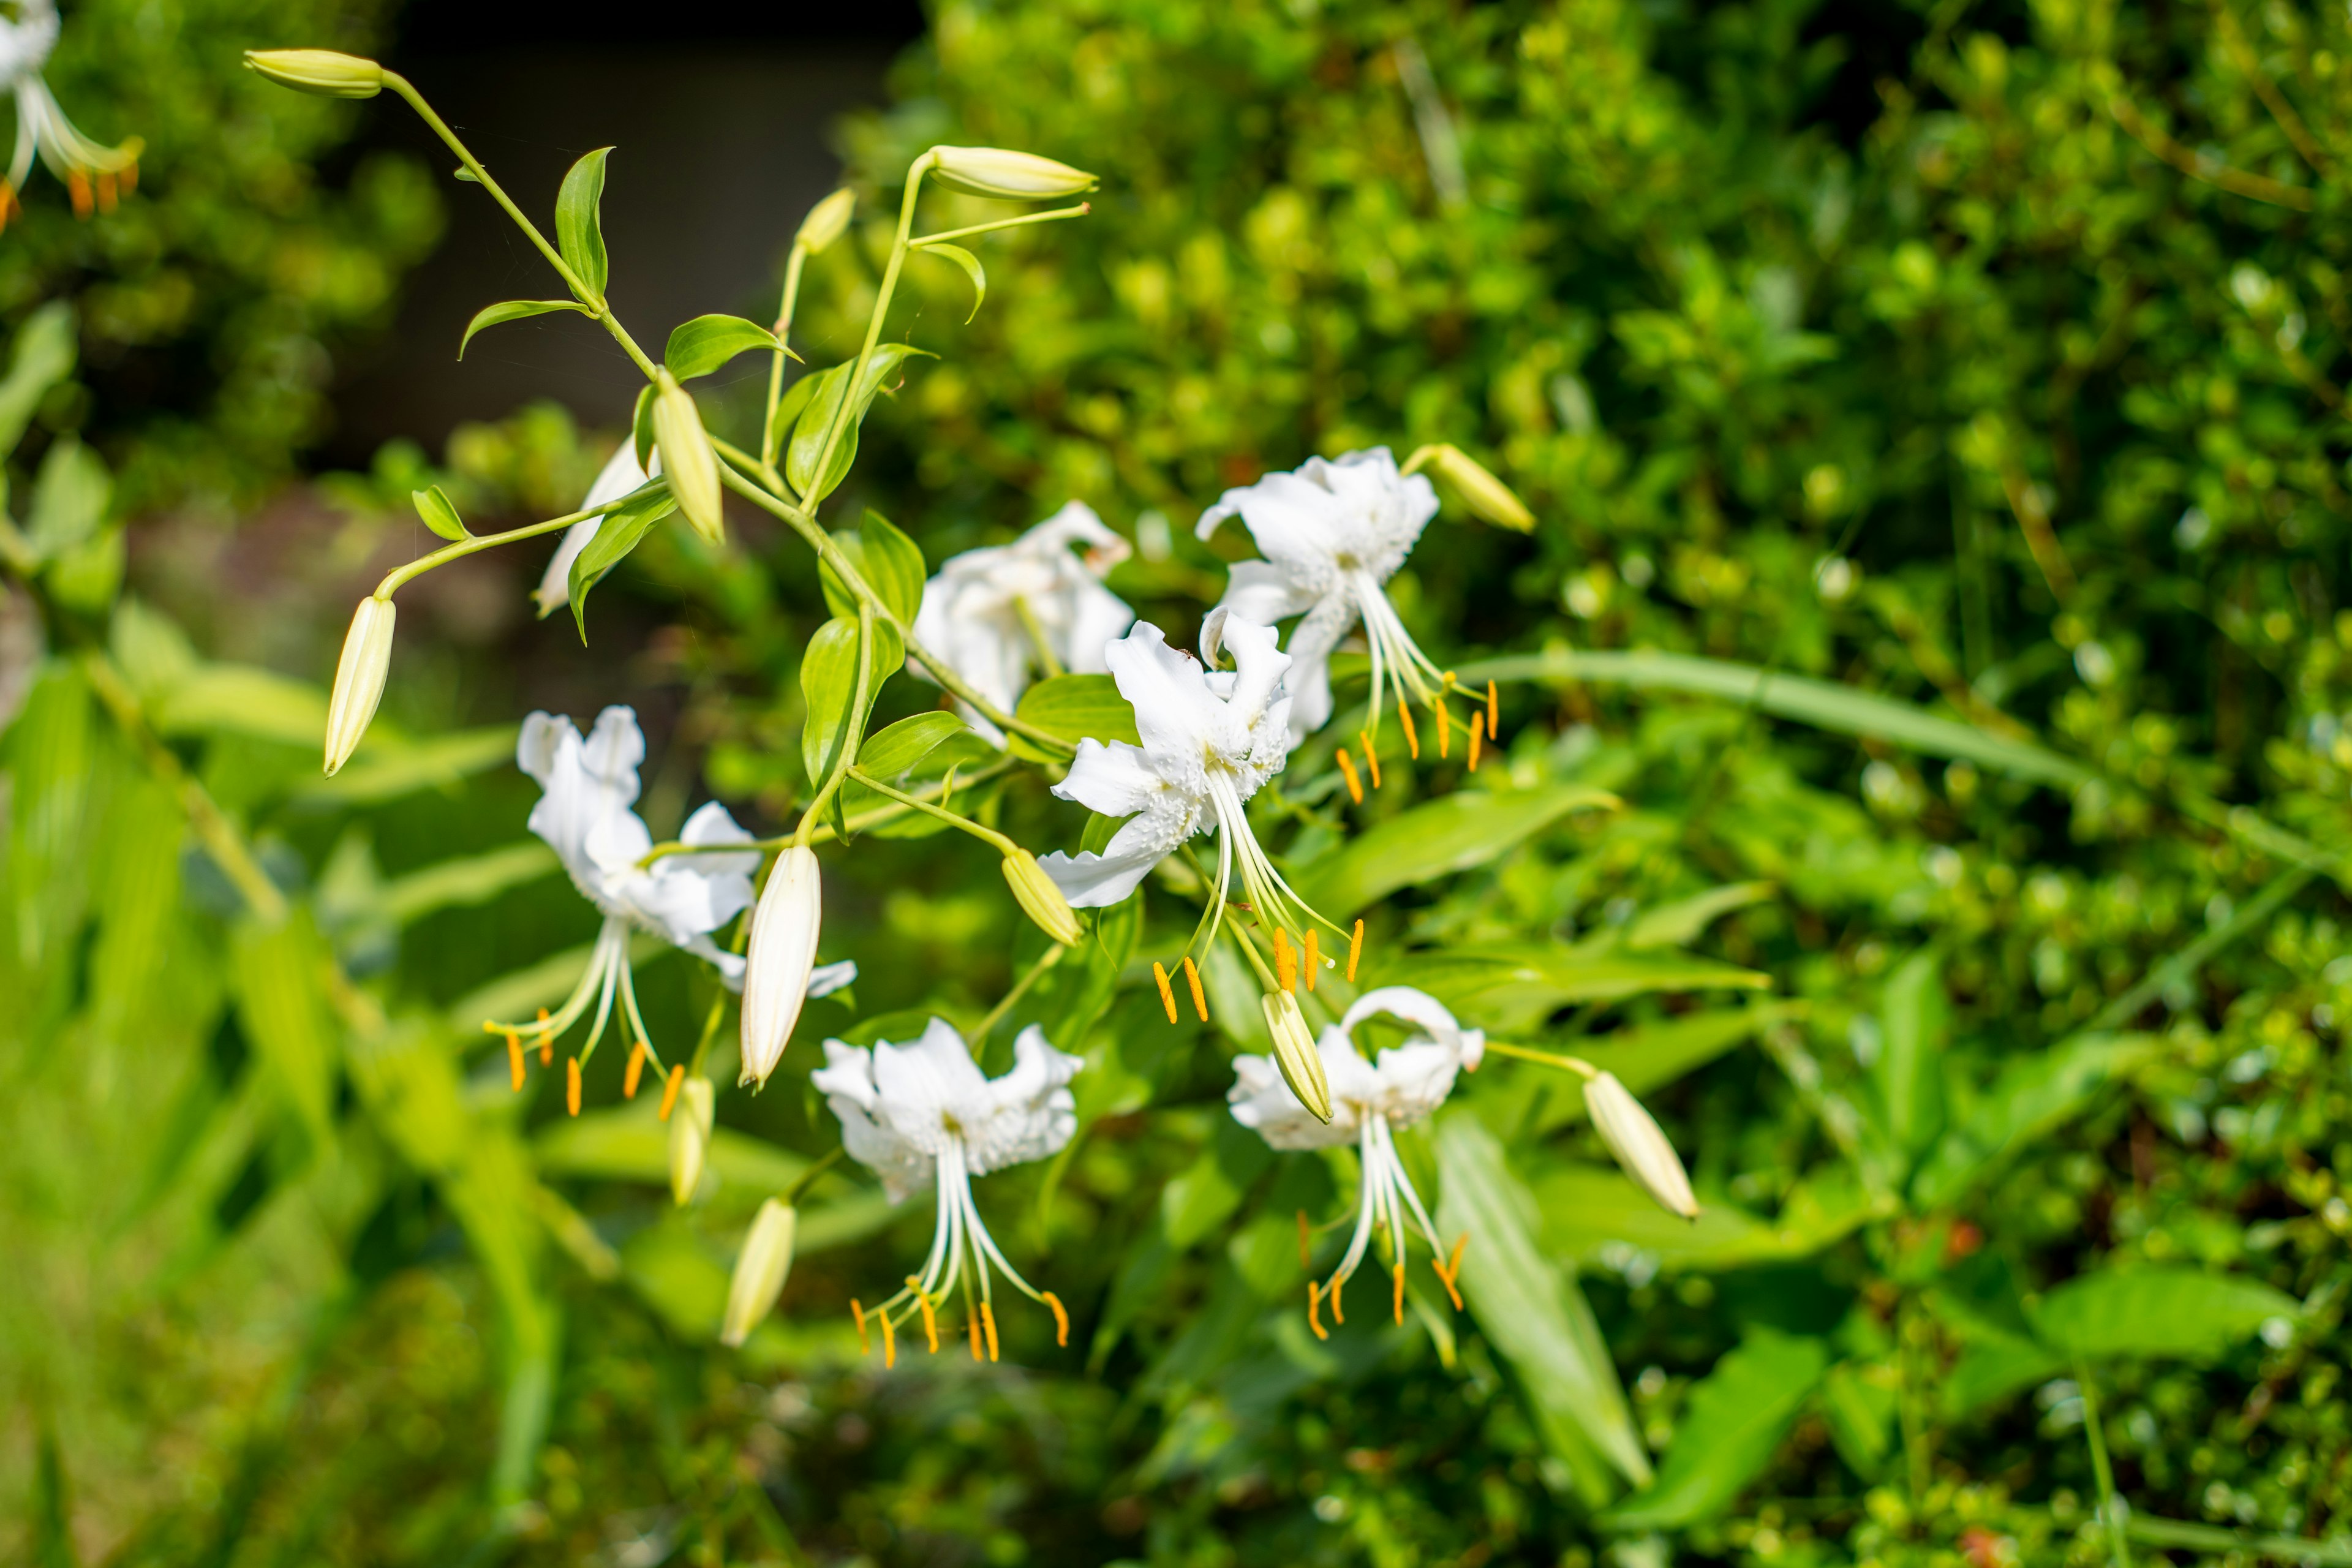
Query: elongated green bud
359	680
1039	899
686	458
825	221
1007	175
689	1136
321	72
761	1270
784	954
1484	494
1634	1137
1294	1054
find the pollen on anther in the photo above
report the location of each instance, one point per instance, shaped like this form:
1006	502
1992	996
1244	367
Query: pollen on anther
1355	951
546	1041
1494	713
1314	960
1411	736
1348	769
865	1345
1061	1318
889	1343
637	1070
1338	1284
1400	1290
1444	729
988	1322
1478	733
975	1339
669	1089
1167	992
1371	757
1314	1320
930	1321
572	1085
77	187
1447	1279
1285	964
1192	979
514	1059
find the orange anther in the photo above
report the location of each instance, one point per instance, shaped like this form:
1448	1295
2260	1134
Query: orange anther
1337	1286
1314	961
1192	979
546	1041
974	1325
1454	1264
1445	728
1285	963
1355	785
1447	1277
1494	713
1061	1318
1313	1320
572	1085
930	1320
1355	951
130	178
77	187
865	1345
988	1322
514	1059
1371	757
1400	1290
636	1069
1411	736
889	1343
105	192
669	1089
1477	733
1167	992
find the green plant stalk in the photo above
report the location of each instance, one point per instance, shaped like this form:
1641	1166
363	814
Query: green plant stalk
596	303
475	543
988	836
858	824
977	1040
851	732
1577	1065
2109	1511
1037	634
830	553
948	236
768	439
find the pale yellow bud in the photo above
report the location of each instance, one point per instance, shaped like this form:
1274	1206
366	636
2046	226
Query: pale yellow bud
761	1270
686	458
321	72
825	221
1487	496
359	680
1294	1054
1039	899
782	954
1638	1144
689	1136
1009	175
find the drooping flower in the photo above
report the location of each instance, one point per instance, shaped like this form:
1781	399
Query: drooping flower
585	817
617	478
920	1114
93	176
1330	534
1002	615
1369	1100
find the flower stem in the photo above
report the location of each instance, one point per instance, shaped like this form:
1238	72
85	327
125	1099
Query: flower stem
852	730
475	543
1577	1065
978	1037
842	416
768	438
1081	210
2110	1505
1036	634
988	836
857	823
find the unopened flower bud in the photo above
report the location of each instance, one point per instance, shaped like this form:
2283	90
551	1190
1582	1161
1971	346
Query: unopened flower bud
1487	496
1009	175
686	458
689	1136
1040	899
359	680
825	221
782	954
321	72
1294	1054
1638	1144
759	1271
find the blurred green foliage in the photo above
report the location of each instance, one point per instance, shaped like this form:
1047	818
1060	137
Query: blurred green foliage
1936	424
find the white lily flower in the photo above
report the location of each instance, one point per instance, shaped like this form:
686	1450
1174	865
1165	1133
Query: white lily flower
1330	534
920	1113
585	817
619	476
91	174
1211	738
1369	1100
1000	615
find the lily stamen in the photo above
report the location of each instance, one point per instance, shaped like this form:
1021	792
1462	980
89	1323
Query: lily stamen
1192	980
1347	770
1167	992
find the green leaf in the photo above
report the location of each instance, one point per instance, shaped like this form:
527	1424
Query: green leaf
1511	986
241	699
1858	1405
513	310
641	428
701	345
619	531
580	223
1909	1071
439	514
1075	708
69	498
892	565
1736	1417
279	975
631	1143
1678	924
828	389
390	773
466	882
1649	1054
2166	1310
1591	1213
1532	1314
829	681
790	407
889	753
2031	1096
971	270
43	356
1438	838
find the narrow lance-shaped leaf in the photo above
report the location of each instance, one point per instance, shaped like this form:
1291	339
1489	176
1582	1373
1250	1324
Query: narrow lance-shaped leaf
439	513
827	391
892	567
1736	1417
513	310
579	225
618	532
701	345
971	270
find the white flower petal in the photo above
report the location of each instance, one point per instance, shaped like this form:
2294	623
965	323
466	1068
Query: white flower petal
1111	777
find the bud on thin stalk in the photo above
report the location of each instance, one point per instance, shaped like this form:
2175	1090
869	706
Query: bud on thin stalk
825	221
359	680
689	1136
761	1270
1294	1054
1039	899
686	456
1007	175
1638	1144
1487	496
784	952
321	72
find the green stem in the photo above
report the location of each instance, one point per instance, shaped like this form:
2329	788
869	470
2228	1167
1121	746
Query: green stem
978	1037
580	290
852	730
1577	1065
770	440
987	836
942	238
858	824
799	1189
2109	1508
476	543
841	416
1036	632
